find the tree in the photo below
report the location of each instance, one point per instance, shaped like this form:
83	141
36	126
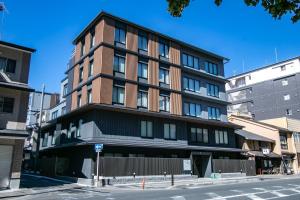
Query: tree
277	8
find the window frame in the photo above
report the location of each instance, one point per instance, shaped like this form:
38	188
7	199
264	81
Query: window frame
89	96
211	68
165	47
168	135
165	99
142	38
203	134
213	90
118	35
141	66
148	133
187	87
117	66
141	93
7	105
214	113
189	106
91	68
118	88
166	75
221	137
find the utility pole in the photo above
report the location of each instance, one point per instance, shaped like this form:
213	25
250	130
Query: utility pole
38	138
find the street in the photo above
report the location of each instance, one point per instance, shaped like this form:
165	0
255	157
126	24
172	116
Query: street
271	189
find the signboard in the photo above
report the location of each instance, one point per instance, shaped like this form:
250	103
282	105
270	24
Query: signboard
186	165
98	147
266	151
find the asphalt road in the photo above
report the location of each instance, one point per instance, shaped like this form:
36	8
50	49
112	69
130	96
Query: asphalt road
274	189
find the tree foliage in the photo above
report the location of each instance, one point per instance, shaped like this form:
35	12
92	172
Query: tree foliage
277	8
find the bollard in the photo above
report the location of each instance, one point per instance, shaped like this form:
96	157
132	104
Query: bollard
103	182
133	175
172	179
191	173
241	171
165	174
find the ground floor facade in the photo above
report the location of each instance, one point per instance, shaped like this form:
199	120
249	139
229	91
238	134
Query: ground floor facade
11	154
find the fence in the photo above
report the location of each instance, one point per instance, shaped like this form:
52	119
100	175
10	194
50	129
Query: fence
120	166
232	166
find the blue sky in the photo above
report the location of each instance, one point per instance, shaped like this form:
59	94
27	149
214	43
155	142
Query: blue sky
232	30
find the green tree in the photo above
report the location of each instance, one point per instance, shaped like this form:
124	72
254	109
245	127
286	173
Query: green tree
277	8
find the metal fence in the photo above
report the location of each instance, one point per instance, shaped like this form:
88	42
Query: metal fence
233	166
120	166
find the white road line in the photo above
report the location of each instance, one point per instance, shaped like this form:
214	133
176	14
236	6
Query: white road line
238	191
254	197
295	190
294	185
261	189
278	194
214	195
178	198
110	198
277	186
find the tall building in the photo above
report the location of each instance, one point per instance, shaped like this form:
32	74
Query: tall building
14	93
268	92
152	100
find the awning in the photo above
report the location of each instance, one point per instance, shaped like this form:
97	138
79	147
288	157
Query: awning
260	154
252	136
273	155
256	153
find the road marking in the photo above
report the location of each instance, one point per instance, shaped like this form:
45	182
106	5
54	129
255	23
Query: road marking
254	197
295	190
238	191
110	198
178	198
277	186
261	189
294	185
278	194
214	195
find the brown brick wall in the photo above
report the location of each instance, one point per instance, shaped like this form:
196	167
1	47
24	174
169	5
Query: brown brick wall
153	99
153	70
131	67
96	90
99	32
153	46
106	86
74	100
107	61
132	39
175	78
175	104
109	31
131	95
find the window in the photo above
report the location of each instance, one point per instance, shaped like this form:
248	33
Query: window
214	113
170	131
54	115
190	61
82	49
118	94
78	101
65	89
283	141
285	82
6	105
164	75
78	130
191	85
164	103
53	138
282	68
146	129
288	112
93	39
120	35
211	68
163	49
143	70
80	74
296	136
286	97
143	42
192	109
199	135
91	68
142	100
7	65
45	140
119	64
212	90
221	137
89	96
63	110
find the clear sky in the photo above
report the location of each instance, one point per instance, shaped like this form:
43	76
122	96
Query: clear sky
232	30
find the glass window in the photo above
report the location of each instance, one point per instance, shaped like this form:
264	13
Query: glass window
118	94
191	85
143	70
164	49
45	140
211	68
205	136
119	64
7	65
214	113
190	61
65	89
89	96
163	75
285	82
288	112
143	42
286	97
91	68
6	105
120	35
221	137
164	103
78	130
199	135
78	100
142	99
54	115
146	129
184	60
192	109
283	141
81	74
93	40
170	131
212	90
82	49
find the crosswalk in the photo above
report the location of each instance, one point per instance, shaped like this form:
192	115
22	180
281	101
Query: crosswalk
269	193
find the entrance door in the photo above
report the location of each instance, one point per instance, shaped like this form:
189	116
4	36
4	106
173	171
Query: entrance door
5	165
201	165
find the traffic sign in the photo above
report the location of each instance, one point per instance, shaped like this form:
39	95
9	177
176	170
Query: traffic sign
98	147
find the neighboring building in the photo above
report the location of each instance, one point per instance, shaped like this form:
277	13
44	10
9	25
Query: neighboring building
283	146
143	95
292	125
14	94
267	92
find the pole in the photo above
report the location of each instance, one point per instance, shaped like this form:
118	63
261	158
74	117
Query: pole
98	166
39	130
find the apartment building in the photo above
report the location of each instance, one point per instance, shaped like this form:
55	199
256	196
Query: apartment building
14	93
268	92
154	102
283	144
